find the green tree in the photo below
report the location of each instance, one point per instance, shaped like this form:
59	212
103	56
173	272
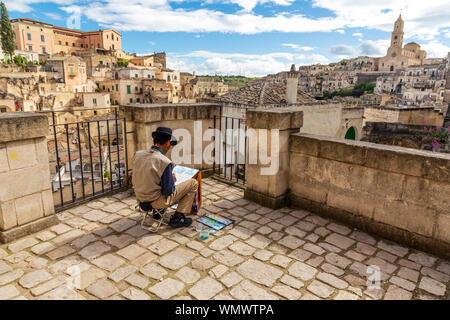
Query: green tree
7	36
19	61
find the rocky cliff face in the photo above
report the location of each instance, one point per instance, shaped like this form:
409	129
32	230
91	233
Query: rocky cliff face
19	89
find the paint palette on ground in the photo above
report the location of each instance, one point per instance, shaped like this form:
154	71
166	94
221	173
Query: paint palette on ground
215	221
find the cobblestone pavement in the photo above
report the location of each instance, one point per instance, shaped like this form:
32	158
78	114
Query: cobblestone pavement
101	250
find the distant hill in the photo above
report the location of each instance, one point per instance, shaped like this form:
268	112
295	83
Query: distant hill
235	81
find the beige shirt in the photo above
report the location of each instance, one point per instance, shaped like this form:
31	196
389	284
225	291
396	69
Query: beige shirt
148	167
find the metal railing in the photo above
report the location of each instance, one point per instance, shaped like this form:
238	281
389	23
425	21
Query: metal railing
230	148
89	159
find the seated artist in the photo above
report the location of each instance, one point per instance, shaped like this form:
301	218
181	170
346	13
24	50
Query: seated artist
154	182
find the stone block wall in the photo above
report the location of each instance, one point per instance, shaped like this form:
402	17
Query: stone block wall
398	193
266	187
26	202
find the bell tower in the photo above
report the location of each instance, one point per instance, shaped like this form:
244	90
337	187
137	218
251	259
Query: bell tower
397	34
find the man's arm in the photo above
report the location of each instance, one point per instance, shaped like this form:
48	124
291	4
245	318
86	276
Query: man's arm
167	182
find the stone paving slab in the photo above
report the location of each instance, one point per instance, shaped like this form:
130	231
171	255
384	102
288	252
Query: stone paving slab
99	251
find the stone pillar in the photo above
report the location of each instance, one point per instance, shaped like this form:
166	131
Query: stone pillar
269	188
26	201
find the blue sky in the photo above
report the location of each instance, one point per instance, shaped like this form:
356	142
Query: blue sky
252	37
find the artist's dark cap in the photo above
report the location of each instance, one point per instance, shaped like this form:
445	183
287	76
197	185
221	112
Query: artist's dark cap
165	132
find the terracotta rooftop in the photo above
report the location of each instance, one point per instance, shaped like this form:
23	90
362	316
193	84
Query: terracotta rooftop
263	92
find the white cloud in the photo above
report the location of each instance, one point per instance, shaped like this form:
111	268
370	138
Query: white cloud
342	50
53	15
24	5
296	47
207	62
152	43
435	49
341	31
134	16
357	34
421	21
249	5
373	48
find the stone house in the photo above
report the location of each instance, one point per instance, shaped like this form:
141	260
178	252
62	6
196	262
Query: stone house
32	35
70	69
123	91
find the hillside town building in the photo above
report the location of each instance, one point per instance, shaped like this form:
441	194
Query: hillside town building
32	35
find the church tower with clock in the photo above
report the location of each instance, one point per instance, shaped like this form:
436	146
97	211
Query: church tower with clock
397	34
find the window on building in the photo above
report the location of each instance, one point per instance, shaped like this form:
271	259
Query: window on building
138	100
131	100
42	38
95	113
94	101
2	109
136	75
112	36
128	89
29	36
59	42
43	49
14	35
148	76
112	88
30	48
117	87
136	89
168	78
67	43
103	87
73	44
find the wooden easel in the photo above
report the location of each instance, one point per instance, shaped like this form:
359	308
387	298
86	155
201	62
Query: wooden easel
198	177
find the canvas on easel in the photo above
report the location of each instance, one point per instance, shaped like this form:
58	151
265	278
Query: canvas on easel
183	174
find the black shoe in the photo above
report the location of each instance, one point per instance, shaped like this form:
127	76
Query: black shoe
179	220
156	216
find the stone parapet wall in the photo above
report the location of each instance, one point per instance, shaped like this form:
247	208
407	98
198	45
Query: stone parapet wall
26	203
417	116
398	134
399	193
143	119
